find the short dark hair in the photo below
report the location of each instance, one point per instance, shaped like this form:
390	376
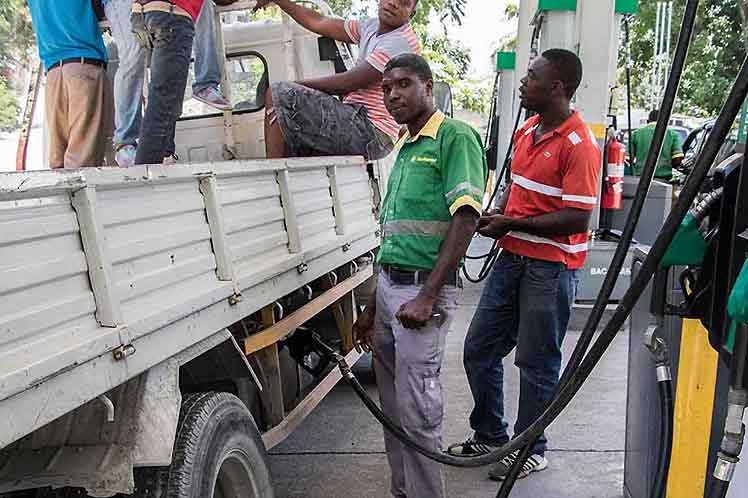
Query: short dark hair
654	115
413	62
568	68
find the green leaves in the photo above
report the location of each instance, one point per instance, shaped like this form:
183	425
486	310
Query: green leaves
717	49
16	34
8	107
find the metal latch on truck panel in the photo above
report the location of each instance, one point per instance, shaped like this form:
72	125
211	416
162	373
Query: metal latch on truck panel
235	299
123	352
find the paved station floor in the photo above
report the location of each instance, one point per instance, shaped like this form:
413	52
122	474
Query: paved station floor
338	452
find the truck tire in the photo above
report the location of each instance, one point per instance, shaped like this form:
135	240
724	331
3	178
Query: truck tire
218	452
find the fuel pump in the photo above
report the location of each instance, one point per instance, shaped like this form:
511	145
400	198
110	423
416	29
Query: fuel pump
707	264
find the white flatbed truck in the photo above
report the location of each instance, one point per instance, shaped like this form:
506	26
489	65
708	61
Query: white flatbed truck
155	321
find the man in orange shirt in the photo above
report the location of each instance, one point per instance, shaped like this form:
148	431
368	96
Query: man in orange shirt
541	223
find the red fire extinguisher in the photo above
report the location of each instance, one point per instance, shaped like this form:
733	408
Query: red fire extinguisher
612	192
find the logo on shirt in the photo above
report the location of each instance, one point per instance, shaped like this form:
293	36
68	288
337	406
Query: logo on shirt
547	154
423	159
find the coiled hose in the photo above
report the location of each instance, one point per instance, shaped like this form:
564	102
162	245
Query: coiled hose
492	255
576	379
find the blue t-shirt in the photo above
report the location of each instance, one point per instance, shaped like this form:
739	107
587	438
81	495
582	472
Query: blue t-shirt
66	29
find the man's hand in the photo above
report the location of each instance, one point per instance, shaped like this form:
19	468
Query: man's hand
363	331
416	313
495	226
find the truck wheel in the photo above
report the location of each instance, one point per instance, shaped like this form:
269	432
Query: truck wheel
218	452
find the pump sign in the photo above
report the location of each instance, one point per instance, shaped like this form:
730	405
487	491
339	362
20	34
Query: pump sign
602	271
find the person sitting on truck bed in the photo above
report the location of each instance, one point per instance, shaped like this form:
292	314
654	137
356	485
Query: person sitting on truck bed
128	82
429	215
305	118
74	57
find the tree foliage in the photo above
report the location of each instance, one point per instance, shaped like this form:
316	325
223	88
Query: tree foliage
16	37
717	50
449	59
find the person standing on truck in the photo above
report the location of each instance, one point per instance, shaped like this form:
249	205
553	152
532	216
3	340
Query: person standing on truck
128	81
306	118
167	29
429	216
74	58
671	155
541	222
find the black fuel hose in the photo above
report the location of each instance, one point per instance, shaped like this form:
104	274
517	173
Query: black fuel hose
718	489
648	268
659	484
493	254
507	158
619	257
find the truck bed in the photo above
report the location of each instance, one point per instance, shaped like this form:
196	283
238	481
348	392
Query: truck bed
107	272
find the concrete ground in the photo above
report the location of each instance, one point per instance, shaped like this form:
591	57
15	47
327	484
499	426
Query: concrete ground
338	452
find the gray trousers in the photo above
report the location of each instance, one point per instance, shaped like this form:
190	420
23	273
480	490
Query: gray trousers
407	365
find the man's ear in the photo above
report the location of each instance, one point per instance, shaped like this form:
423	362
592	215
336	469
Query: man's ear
558	86
430	88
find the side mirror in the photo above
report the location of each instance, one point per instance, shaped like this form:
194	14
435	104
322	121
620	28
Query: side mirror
443	98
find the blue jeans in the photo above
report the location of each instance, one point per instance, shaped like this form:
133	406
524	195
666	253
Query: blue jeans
128	80
170	37
526	304
130	76
207	64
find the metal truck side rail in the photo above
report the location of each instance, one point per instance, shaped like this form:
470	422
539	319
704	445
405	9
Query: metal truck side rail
108	272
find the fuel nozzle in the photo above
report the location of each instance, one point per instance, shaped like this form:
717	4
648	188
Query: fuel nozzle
326	350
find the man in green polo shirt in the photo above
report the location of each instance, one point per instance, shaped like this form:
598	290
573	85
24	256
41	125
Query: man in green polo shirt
671	155
429	215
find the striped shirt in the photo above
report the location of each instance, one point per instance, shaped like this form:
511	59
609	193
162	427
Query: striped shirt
560	170
377	50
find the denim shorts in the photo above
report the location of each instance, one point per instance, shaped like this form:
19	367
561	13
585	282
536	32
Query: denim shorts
317	124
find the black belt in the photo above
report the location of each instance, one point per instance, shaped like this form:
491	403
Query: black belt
80	60
400	276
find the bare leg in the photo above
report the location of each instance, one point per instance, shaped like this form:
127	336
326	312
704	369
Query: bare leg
275	144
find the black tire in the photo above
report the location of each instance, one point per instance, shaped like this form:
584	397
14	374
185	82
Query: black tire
218	452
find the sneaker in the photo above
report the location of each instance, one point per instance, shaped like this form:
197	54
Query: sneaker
535	463
125	156
170	158
211	96
471	447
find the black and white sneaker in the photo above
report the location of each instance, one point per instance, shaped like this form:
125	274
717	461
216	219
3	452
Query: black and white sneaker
471	447
535	463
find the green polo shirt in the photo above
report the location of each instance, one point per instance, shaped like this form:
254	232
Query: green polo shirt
641	141
440	170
